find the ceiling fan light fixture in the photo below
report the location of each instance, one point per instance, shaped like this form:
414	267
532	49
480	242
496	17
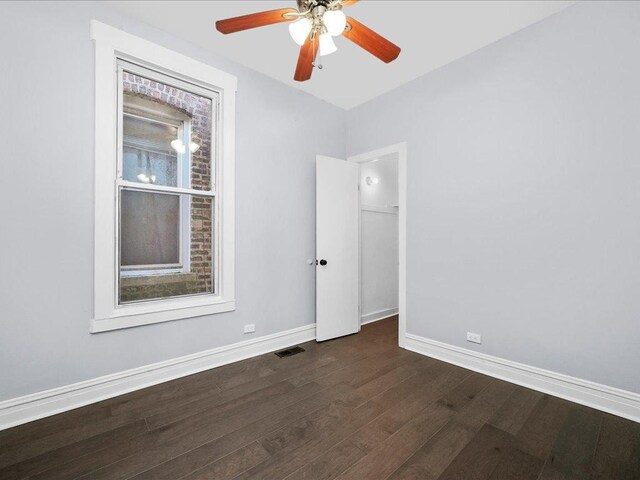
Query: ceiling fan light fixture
335	21
327	45
312	25
300	30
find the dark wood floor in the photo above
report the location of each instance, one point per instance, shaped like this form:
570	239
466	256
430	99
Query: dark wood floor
354	408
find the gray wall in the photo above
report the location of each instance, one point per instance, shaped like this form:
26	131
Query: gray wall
46	239
524	194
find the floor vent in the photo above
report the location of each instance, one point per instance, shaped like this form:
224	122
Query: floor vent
289	351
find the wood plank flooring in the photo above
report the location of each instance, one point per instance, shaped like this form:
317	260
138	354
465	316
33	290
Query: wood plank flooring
356	408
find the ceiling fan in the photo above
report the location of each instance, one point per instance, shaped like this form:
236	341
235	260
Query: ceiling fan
314	23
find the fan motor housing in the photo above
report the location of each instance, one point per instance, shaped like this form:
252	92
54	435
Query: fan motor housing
309	4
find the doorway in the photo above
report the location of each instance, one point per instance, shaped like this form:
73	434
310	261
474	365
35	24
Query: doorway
382	246
360	241
378	245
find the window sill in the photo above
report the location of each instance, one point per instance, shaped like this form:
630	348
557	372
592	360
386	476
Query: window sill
159	311
144	280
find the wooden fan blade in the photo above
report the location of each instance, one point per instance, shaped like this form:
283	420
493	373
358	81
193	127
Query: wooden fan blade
307	56
253	20
373	43
347	3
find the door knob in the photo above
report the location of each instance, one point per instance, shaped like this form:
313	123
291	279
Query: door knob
323	262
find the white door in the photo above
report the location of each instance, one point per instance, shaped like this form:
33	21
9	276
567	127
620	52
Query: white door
337	207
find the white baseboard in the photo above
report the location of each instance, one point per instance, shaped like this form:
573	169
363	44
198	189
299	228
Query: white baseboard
379	315
25	409
608	399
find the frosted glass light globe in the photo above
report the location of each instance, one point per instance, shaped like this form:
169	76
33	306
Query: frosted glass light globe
335	21
300	30
327	45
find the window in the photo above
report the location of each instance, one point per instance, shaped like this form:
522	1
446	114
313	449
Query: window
164	184
166	187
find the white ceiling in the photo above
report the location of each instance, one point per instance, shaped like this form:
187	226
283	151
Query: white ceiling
430	33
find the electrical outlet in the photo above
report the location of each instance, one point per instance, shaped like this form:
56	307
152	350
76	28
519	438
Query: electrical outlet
474	337
249	328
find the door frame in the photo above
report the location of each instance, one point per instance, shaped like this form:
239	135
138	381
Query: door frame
399	151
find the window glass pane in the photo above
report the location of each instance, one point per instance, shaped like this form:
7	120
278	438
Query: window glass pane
166	245
147	156
167	134
149	229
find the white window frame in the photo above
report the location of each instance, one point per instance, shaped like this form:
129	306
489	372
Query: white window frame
111	44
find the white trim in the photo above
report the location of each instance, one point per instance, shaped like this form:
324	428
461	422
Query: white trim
377	316
148	187
399	151
156	311
378	209
112	44
154	54
608	399
50	402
